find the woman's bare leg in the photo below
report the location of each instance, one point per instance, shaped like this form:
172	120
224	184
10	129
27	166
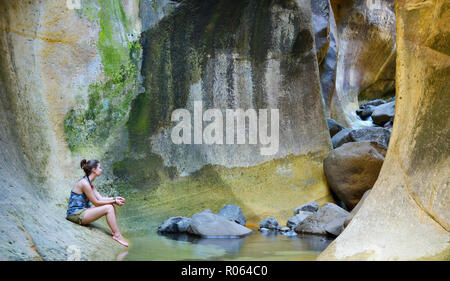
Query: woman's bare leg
93	214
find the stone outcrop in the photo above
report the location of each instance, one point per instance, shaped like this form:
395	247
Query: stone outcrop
407	213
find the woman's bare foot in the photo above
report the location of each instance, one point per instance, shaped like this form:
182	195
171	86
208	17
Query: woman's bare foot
119	238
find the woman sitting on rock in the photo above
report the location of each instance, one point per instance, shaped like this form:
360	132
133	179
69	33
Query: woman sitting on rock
80	209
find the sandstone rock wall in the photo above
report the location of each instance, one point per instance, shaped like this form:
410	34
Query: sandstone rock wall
407	214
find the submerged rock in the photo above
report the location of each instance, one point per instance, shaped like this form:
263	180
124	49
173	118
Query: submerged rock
175	225
294	221
383	113
334	127
270	223
327	220
308	207
207	224
352	169
233	213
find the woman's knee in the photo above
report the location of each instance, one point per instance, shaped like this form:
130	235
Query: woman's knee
109	208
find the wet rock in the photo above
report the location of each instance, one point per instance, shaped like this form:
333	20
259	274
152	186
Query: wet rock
326	220
352	169
270	223
383	113
175	225
294	221
233	213
264	230
334	127
365	112
356	209
207	224
374	134
281	228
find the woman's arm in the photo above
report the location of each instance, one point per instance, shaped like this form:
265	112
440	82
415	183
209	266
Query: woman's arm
92	197
99	197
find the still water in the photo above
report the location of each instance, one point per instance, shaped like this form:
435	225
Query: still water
256	246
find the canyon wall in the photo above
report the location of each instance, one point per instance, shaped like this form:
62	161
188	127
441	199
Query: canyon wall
407	214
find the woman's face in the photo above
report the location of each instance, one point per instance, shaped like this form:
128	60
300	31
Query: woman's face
97	171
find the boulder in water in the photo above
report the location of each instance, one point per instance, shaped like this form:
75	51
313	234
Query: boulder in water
175	225
294	221
269	223
233	213
209	225
330	217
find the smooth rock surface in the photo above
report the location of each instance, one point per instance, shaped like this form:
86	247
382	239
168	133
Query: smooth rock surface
207	224
356	209
352	169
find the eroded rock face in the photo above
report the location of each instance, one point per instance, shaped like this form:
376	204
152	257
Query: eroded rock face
366	57
407	214
352	169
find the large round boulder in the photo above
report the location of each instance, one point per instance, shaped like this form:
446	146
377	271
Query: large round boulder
352	169
210	225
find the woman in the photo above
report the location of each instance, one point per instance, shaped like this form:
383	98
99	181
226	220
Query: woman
84	192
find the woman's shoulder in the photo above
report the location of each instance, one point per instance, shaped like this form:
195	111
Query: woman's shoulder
80	184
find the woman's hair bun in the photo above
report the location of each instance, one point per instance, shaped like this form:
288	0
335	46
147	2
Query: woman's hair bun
83	162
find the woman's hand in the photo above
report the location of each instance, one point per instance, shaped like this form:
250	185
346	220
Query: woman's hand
120	201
